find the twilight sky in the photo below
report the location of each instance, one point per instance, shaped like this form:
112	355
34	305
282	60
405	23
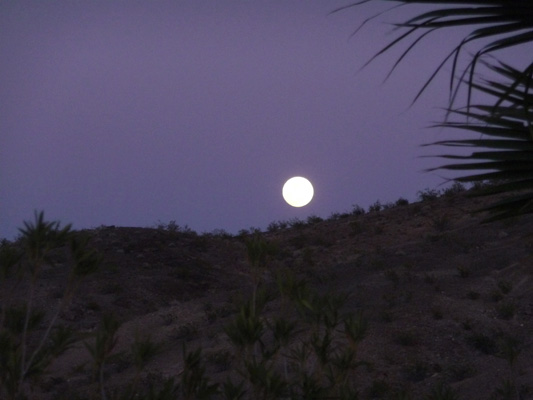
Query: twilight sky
132	112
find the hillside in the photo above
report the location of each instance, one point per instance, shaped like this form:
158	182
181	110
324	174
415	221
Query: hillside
448	300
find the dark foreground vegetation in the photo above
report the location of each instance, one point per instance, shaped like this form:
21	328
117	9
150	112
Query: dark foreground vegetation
400	301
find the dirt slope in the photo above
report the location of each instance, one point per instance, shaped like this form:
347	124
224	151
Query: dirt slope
441	292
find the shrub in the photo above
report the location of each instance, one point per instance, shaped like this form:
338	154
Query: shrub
401	202
296	223
428	194
277	226
313	219
454	189
375	207
357	210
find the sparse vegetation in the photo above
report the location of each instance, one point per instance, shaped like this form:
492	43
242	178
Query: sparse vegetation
454	189
260	331
375	207
401	202
428	194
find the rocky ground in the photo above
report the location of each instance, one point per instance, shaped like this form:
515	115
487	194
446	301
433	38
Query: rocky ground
442	293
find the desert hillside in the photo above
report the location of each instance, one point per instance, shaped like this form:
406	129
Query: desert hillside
447	303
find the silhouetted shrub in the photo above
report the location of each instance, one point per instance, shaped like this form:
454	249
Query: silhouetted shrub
428	194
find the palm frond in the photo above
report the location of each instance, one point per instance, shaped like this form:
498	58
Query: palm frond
496	25
504	152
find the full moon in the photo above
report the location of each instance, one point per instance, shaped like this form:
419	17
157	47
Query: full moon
298	191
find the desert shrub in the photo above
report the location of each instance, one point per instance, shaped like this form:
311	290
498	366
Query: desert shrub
296	223
314	219
375	207
220	233
357	210
401	202
478	186
273	227
243	233
388	206
173	227
428	194
454	189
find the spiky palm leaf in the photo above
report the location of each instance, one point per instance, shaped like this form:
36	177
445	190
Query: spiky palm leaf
506	142
496	24
506	125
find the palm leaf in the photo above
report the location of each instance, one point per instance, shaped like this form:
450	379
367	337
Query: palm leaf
503	24
504	153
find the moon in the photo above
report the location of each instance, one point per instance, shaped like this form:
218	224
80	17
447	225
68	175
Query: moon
298	191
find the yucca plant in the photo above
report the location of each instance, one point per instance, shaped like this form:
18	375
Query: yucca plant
307	350
195	383
26	351
103	348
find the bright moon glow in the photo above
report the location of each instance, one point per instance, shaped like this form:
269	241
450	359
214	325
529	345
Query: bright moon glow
298	191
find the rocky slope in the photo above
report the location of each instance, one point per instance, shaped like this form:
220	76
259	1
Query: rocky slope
443	295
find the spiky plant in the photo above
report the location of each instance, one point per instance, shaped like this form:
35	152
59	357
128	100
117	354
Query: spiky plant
25	349
496	25
505	155
506	123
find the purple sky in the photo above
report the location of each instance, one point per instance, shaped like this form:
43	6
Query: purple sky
129	113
